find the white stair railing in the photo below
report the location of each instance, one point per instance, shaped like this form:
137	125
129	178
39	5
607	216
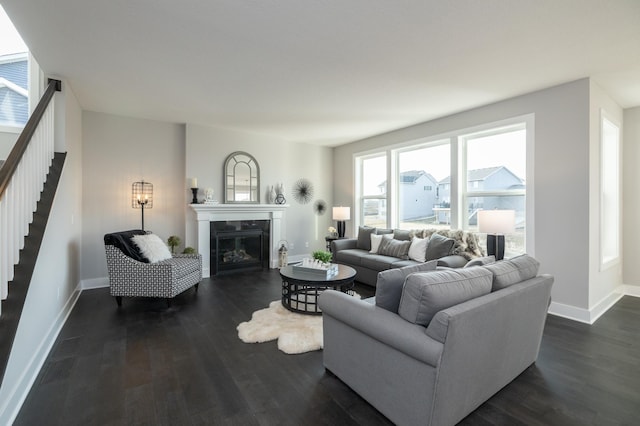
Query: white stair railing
22	179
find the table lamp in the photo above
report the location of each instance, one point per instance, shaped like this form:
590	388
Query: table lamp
496	223
340	214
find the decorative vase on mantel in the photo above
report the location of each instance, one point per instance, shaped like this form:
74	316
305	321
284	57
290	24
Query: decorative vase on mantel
271	195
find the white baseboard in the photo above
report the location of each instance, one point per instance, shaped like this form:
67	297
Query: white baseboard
631	290
94	283
9	409
589	316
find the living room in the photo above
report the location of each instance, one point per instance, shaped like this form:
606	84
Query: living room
111	147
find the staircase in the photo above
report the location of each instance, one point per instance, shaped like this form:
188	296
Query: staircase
28	182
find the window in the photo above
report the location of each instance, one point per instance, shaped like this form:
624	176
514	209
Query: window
14	79
373	190
610	193
423	166
496	168
445	181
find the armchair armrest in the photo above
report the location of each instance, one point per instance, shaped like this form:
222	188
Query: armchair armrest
382	325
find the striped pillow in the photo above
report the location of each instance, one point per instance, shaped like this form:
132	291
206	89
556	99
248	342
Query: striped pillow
394	248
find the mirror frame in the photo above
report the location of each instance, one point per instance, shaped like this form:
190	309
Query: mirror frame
230	163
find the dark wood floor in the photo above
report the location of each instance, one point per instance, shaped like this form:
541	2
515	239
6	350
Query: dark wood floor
145	364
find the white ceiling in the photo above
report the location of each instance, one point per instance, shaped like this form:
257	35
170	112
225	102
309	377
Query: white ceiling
326	71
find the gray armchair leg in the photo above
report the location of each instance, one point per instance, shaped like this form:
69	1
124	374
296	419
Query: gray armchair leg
119	300
196	288
168	302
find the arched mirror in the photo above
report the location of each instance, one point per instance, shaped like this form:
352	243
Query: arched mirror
241	178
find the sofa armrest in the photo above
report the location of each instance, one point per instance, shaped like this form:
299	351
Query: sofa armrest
452	261
382	325
345	244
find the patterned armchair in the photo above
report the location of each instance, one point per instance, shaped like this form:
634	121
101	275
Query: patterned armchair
130	274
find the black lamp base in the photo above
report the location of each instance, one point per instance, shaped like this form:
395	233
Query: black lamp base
341	228
495	246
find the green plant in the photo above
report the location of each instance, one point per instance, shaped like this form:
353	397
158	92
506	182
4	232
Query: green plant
173	241
189	250
322	256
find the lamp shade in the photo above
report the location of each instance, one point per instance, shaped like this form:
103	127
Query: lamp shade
142	195
341	213
497	221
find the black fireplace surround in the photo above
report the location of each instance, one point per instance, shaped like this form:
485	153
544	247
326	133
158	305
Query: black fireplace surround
239	245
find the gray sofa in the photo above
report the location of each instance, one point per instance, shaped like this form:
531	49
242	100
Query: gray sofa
451	248
456	338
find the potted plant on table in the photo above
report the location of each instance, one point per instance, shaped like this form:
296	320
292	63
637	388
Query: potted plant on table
322	256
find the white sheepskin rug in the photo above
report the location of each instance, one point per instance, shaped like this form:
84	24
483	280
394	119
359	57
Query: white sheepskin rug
296	333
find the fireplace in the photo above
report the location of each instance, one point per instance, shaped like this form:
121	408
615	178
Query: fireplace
206	214
239	245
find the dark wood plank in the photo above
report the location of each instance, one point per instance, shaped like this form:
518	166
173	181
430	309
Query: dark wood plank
146	364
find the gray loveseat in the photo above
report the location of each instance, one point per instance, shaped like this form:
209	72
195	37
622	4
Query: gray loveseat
456	337
451	248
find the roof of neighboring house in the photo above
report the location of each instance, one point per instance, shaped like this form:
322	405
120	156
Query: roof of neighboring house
481	174
412	176
14	95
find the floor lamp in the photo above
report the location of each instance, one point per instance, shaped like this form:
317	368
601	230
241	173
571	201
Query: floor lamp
340	214
496	223
142	197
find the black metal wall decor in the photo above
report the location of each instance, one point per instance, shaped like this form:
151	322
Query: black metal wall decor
303	191
320	207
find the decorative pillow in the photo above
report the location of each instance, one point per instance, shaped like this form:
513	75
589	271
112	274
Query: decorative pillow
394	248
364	239
418	249
401	234
383	231
376	240
390	282
481	261
152	247
425	294
510	271
438	247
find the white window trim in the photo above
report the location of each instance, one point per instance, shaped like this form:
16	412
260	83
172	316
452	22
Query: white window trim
614	260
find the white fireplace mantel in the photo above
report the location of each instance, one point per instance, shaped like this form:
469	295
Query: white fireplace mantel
207	213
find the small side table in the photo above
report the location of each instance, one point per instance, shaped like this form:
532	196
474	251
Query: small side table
329	239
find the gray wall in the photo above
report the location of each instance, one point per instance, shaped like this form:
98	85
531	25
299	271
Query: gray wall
561	176
631	198
54	285
118	151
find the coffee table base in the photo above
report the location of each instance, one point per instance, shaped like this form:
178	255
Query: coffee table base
302	296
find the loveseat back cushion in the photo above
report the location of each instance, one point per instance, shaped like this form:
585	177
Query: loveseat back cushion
389	284
364	237
122	241
394	248
510	271
438	247
425	294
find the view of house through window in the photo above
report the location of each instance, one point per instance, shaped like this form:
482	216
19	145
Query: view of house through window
491	167
14	81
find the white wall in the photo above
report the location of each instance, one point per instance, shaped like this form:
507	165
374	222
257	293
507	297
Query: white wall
280	161
604	285
54	285
631	198
118	151
561	170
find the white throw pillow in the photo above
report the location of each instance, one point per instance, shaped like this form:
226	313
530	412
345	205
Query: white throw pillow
418	249
375	241
152	247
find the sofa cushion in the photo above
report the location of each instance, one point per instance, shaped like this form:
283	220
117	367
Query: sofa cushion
425	294
480	261
418	249
377	262
510	271
438	247
402	234
384	231
350	256
376	240
364	237
152	247
394	248
390	282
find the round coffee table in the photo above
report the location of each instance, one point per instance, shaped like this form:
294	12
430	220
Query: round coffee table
300	291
